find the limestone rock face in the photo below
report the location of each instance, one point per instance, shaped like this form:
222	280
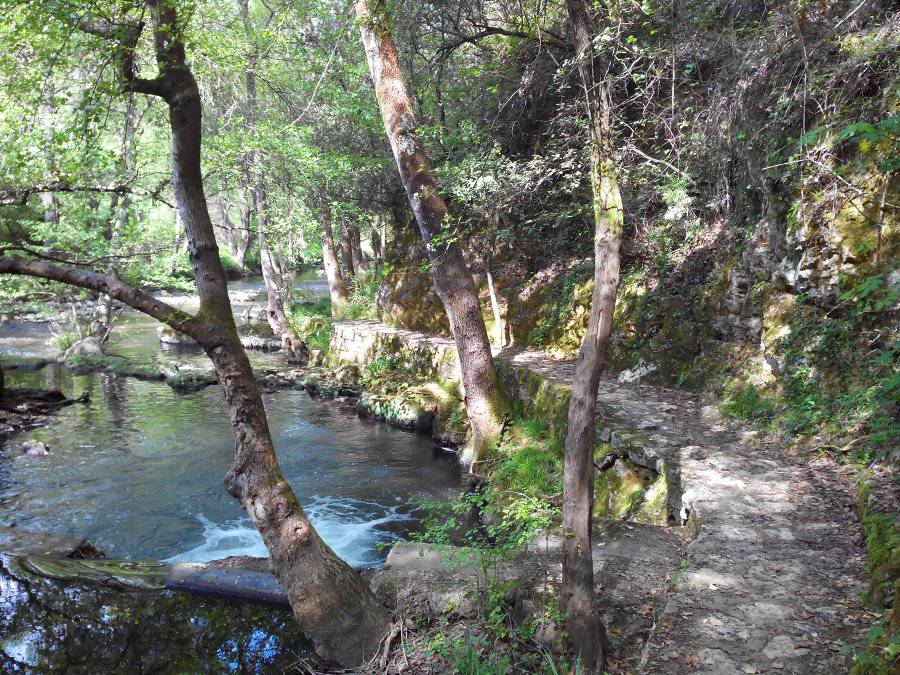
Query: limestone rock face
406	297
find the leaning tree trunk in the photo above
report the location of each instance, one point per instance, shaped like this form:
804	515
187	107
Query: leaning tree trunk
452	278
333	605
337	289
586	633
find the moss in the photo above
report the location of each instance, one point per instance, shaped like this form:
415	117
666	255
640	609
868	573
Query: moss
655	507
617	491
116	573
882	543
406	408
629	492
882	534
555	316
15	362
535	396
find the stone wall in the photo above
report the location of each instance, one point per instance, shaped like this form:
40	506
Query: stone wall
362	342
640	482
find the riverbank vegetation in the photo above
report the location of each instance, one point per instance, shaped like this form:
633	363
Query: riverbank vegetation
687	194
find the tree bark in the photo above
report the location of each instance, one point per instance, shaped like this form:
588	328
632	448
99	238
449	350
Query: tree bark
452	279
346	251
333	605
238	239
356	252
337	289
273	279
49	200
495	304
586	633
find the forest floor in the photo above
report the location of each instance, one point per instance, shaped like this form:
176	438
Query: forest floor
773	579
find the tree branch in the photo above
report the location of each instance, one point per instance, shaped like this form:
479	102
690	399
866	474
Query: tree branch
19	197
113	286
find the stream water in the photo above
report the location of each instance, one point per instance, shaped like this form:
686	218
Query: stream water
138	471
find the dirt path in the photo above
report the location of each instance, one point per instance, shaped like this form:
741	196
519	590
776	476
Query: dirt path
772	581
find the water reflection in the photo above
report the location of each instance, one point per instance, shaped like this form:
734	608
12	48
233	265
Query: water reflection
46	626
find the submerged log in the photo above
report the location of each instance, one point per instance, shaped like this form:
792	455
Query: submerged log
207	578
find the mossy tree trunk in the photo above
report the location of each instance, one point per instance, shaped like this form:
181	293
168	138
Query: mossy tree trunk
452	279
586	633
333	605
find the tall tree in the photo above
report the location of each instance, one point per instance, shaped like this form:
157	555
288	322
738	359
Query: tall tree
452	279
587	635
273	279
333	605
347	250
337	289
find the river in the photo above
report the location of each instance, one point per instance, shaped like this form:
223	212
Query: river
138	471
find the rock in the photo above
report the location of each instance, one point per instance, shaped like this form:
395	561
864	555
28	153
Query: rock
170	336
642	369
14	541
33	448
405	410
783	647
710	414
260	329
261	344
186	376
549	636
253	316
89	346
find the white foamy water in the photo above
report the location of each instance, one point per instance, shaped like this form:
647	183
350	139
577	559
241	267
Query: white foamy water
353	528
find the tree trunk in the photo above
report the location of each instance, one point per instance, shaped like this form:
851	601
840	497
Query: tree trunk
293	346
244	238
452	279
103	316
495	304
356	252
336	286
49	200
332	603
346	251
178	243
586	633
295	349
229	231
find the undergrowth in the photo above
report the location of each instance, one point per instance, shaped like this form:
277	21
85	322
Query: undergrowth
839	378
486	527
